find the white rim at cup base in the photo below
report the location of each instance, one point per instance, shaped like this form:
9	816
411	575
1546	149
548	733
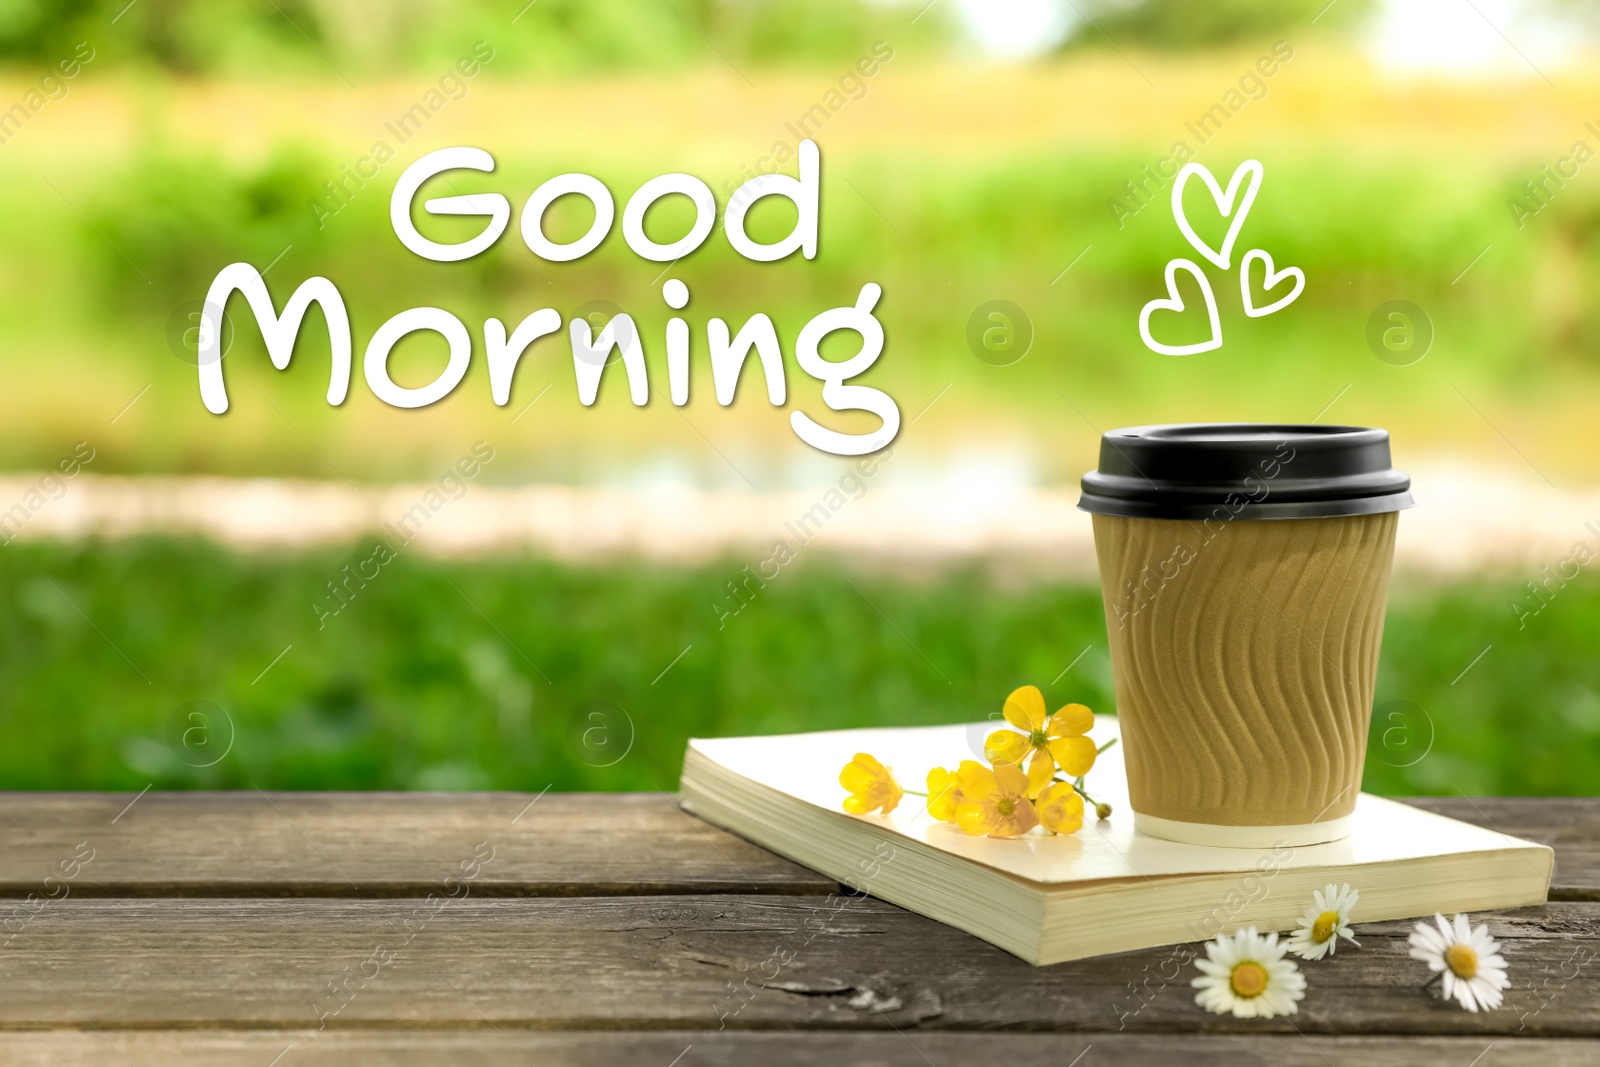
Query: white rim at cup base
1199	833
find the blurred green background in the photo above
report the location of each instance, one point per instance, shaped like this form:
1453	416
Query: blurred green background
961	171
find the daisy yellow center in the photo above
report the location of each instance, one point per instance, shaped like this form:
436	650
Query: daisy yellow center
1006	807
1462	959
1039	739
1324	927
1249	979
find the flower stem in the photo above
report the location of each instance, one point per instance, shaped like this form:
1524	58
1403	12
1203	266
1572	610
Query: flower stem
1102	810
913	792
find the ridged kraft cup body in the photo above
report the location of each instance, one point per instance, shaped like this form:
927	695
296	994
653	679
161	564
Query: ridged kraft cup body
1245	568
1245	656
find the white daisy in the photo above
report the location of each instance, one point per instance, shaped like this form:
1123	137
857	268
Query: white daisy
1469	960
1245	973
1325	923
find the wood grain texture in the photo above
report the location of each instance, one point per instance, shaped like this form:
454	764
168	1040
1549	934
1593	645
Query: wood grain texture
402	844
519	1048
615	928
703	962
376	845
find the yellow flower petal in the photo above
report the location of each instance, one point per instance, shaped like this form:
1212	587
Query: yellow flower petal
1041	768
975	779
892	797
944	794
858	778
1070	721
1060	809
972	818
870	762
1022	819
1074	754
1005	746
857	805
1010	781
1025	709
870	785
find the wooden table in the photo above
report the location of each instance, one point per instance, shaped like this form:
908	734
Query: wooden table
292	929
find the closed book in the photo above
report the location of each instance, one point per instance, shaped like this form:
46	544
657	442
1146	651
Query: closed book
1106	888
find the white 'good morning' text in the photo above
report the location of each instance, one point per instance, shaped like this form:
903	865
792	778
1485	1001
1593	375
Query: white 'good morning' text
591	349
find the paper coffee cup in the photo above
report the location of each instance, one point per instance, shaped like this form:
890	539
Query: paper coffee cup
1245	569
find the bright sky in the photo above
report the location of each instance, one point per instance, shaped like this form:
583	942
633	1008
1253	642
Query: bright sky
1454	36
1422	36
1018	28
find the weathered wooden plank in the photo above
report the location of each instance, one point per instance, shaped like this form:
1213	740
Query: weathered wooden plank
518	1048
403	844
702	962
1570	825
251	843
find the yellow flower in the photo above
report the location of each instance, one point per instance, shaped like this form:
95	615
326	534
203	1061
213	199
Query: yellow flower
871	786
1060	808
945	794
995	802
1056	742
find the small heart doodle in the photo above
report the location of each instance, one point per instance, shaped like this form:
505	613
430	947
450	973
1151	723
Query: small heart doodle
1174	302
1269	282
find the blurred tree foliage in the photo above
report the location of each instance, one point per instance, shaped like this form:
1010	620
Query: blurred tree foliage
374	36
189	216
355	37
1175	24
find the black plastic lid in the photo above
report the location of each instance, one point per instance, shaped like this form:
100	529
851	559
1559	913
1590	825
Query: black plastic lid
1248	470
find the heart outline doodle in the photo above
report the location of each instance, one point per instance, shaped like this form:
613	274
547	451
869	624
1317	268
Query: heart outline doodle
1174	302
1269	281
1229	206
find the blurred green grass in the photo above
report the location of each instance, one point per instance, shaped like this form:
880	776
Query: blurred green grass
488	674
